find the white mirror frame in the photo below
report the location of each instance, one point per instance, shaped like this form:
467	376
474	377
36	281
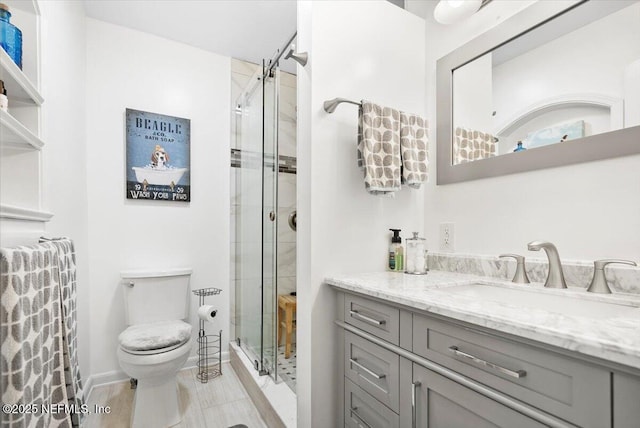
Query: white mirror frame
612	144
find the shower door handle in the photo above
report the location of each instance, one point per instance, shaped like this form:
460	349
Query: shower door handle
293	220
272	215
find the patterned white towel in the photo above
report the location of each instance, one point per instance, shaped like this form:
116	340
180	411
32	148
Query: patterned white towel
66	257
414	143
31	342
470	145
379	148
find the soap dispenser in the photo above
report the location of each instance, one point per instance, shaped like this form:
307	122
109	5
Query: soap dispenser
396	253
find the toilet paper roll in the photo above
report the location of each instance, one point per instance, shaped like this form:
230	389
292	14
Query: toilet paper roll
207	313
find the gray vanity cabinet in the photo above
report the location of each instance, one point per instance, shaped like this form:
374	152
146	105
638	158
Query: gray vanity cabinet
405	368
443	403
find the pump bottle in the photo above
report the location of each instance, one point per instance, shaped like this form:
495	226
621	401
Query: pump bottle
396	253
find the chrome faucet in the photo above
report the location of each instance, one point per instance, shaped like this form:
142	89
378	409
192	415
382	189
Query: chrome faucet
555	278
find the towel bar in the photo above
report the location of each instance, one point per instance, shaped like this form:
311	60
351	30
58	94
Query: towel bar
330	105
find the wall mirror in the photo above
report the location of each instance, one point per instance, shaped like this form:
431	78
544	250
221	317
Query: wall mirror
556	84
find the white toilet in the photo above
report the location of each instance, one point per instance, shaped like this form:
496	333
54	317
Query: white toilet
157	342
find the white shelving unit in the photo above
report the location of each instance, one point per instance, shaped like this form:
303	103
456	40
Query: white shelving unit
20	87
21	140
25	214
17	136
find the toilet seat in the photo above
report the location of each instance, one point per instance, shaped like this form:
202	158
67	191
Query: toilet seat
154	351
154	338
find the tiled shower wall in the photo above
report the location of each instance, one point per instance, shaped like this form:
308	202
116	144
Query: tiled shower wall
286	185
249	252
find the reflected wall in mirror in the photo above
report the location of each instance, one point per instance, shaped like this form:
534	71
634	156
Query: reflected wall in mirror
575	76
547	77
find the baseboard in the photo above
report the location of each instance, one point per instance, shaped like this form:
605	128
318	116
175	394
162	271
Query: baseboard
106	378
87	388
102	379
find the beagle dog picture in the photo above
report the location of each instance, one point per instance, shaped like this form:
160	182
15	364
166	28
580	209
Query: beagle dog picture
159	158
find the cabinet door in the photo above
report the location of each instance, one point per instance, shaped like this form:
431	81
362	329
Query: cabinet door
442	403
626	401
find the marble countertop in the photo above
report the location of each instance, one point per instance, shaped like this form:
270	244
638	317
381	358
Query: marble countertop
615	338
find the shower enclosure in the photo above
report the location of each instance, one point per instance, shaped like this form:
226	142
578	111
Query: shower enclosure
259	217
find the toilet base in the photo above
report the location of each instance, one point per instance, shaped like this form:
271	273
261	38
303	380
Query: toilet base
155	403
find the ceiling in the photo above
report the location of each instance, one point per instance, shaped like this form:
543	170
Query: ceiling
245	29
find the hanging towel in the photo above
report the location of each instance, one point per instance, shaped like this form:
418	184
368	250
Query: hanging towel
414	144
471	145
379	148
66	271
31	344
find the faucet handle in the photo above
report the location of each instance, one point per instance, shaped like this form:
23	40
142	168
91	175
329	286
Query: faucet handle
600	264
599	281
521	275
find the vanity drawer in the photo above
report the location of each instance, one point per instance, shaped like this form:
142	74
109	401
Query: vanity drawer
570	389
373	368
362	410
381	320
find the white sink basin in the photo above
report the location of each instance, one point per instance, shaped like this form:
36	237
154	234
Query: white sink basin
545	300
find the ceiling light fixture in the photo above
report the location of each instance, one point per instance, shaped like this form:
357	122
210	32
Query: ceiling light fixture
451	11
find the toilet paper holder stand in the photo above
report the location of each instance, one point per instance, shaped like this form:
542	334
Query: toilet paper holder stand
209	345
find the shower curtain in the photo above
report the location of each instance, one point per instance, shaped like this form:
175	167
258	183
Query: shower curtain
38	347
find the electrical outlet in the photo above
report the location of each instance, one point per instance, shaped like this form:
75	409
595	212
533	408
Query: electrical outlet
447	237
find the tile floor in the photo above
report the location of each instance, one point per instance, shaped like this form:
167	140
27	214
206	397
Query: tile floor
287	367
220	403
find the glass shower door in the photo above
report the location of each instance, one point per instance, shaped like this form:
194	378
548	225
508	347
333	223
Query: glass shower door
256	225
248	231
269	220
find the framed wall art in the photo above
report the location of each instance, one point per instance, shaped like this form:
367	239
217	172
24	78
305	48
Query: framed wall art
158	157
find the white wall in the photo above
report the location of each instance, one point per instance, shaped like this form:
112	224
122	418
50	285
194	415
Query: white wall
126	68
632	94
590	210
360	49
64	155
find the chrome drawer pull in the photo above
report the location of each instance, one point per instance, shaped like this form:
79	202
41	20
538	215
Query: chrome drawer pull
367	370
517	373
353	413
366	318
414	417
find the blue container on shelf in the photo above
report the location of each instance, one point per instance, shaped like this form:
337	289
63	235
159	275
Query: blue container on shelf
10	36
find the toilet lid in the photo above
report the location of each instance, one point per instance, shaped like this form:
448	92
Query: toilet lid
154	337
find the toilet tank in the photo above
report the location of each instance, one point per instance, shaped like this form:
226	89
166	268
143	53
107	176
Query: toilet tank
156	295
